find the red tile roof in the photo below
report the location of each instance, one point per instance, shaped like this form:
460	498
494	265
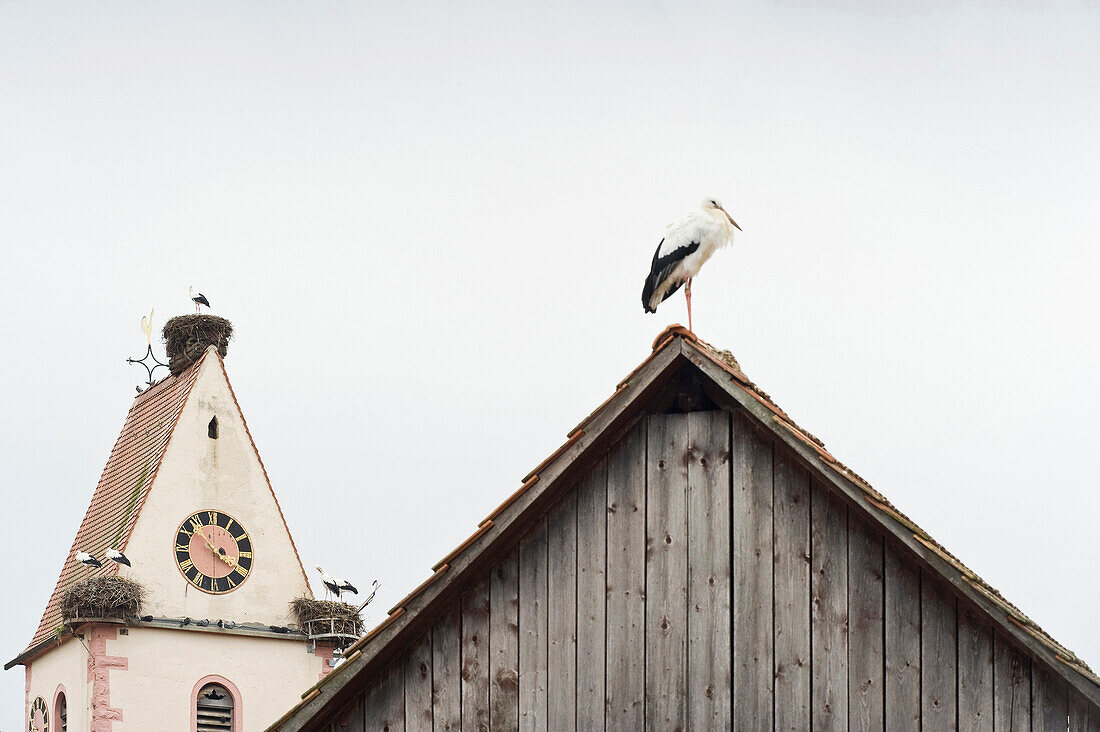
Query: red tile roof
122	488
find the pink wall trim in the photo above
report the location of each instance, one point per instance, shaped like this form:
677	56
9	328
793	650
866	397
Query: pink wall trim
27	697
325	654
238	705
99	675
55	708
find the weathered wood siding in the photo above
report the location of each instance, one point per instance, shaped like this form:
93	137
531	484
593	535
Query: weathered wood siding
699	578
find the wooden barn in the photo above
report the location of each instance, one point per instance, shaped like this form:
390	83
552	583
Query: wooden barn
690	559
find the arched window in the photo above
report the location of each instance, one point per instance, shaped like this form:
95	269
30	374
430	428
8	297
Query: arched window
214	709
61	710
216	705
212	428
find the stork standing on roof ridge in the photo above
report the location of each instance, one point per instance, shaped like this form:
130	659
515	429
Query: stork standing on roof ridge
688	243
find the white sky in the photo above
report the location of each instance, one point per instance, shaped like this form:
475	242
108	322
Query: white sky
430	226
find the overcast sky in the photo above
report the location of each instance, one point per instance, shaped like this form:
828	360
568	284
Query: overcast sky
430	225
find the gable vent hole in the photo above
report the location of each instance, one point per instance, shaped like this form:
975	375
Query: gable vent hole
212	428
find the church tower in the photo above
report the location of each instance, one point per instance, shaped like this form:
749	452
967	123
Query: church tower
185	497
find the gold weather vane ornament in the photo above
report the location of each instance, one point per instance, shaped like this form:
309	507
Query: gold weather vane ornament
147	329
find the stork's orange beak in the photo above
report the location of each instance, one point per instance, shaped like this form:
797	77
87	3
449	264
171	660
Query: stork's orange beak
732	221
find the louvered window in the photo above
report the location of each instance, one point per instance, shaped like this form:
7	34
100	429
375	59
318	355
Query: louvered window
214	709
62	714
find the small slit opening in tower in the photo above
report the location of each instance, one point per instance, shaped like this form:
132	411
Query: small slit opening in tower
212	428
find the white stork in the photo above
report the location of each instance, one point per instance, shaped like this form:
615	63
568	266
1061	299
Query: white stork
199	299
88	560
117	557
336	586
688	243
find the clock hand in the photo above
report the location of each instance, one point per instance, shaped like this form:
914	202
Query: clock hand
217	552
209	544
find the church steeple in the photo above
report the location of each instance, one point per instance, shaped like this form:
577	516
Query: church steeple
186	497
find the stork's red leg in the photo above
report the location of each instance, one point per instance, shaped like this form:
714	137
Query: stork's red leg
687	294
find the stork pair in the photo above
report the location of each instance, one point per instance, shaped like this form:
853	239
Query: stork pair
91	562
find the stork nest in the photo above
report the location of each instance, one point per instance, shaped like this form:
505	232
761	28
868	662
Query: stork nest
186	337
319	617
109	596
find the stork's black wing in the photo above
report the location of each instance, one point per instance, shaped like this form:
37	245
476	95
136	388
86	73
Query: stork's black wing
661	270
201	300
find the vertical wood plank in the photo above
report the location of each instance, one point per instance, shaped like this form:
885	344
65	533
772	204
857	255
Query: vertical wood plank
975	672
1011	687
1049	701
710	653
829	609
385	708
666	572
791	513
532	629
866	650
418	685
752	577
475	658
626	582
939	677
350	718
561	680
902	588
447	671
1078	713
504	643
591	597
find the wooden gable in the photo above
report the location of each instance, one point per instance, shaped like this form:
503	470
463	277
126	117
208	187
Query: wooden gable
686	563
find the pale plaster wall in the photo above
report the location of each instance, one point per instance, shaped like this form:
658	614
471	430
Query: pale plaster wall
68	665
202	473
164	665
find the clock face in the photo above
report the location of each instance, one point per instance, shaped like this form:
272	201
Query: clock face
213	551
40	719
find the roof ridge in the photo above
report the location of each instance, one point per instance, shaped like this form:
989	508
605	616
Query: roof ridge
399	616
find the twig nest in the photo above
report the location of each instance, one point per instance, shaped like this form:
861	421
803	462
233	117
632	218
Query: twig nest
323	617
102	597
186	337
